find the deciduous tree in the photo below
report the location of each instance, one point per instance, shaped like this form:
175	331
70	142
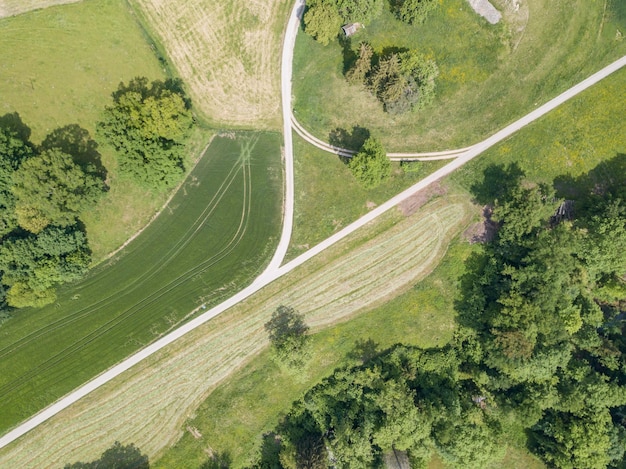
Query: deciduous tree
370	166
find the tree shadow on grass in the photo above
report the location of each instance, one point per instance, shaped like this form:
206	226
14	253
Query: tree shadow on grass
76	141
497	182
349	55
218	461
14	124
351	140
607	179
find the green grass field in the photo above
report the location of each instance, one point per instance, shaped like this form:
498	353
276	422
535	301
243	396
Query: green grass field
59	66
237	413
214	237
490	75
328	197
569	141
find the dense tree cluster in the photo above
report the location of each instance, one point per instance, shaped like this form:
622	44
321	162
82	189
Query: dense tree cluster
43	190
401	81
323	18
370	166
148	125
540	346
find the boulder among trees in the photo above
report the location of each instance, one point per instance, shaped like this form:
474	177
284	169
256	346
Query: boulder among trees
148	125
323	18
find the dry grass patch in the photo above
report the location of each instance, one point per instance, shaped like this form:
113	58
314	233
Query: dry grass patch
15	7
149	404
227	52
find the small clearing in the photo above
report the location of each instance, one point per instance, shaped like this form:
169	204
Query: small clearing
485	9
16	7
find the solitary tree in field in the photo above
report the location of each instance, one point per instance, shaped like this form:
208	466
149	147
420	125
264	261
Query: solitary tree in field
288	336
370	165
117	456
148	126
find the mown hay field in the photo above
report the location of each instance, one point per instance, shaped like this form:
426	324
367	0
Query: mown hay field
227	52
490	75
149	404
215	236
16	7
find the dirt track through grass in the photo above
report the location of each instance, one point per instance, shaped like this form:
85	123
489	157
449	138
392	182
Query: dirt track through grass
148	404
227	52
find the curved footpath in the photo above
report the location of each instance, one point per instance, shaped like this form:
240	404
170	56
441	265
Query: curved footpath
344	152
274	270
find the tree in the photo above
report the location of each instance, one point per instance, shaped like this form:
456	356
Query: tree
13	151
51	189
413	11
322	21
147	125
363	65
571	441
361	11
404	81
370	166
288	337
34	265
117	457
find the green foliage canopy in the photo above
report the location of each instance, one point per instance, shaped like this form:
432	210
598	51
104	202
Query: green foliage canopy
370	166
287	332
148	125
51	189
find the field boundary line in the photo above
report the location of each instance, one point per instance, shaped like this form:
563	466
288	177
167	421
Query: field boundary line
273	272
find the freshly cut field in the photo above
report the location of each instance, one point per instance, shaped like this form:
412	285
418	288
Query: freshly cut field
15	7
490	74
213	238
149	404
227	52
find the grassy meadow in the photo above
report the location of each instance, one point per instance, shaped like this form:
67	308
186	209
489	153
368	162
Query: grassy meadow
213	238
328	197
367	269
58	67
490	75
568	142
227	52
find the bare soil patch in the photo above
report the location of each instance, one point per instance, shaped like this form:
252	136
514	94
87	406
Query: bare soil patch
415	202
483	231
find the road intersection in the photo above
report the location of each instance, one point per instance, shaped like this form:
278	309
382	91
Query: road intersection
276	268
